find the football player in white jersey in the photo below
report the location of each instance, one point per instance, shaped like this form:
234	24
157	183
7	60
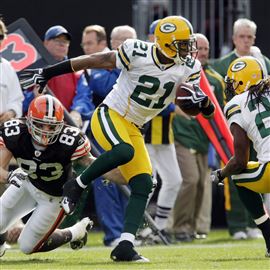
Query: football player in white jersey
248	115
151	73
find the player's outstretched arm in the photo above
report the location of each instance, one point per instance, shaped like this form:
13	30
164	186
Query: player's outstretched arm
40	76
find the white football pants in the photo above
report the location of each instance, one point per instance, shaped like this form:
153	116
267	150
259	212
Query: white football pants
16	202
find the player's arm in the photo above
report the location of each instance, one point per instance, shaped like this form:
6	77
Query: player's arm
105	60
31	77
241	152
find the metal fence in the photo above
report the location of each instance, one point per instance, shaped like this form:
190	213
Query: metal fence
214	18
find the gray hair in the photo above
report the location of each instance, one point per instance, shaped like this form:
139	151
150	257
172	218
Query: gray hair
200	35
123	30
244	22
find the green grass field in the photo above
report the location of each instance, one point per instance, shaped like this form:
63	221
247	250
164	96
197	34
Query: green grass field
216	252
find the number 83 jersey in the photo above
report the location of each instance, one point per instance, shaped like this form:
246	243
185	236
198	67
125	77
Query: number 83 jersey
145	86
47	168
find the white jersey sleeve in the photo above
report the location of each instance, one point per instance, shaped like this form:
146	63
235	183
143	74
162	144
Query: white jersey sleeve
124	54
254	119
233	113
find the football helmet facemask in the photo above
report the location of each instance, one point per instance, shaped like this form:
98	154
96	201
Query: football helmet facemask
243	73
174	38
45	119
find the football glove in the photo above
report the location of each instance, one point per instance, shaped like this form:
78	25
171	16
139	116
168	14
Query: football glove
216	177
16	177
32	77
196	99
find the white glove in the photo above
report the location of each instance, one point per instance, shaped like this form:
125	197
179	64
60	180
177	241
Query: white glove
16	177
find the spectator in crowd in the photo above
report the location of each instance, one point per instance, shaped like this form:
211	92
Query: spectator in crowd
11	100
11	96
191	215
151	31
92	88
150	74
240	223
247	112
244	36
56	41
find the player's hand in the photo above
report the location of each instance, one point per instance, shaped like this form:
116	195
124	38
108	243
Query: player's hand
216	177
196	99
16	177
33	77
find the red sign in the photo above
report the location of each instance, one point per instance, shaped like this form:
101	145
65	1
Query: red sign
24	53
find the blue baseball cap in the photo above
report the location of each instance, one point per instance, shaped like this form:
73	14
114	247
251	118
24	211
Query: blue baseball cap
56	31
153	26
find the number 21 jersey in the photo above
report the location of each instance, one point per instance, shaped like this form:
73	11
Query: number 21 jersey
145	86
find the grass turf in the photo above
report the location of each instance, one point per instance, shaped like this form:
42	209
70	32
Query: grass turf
218	251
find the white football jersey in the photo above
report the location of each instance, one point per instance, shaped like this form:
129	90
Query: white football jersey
145	86
254	119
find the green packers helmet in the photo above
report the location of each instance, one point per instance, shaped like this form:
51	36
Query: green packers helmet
243	73
174	38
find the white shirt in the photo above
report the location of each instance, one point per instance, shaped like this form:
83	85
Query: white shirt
11	96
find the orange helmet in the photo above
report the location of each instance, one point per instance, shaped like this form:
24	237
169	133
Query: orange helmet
45	119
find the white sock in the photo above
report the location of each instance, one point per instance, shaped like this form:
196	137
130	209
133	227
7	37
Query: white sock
127	236
261	220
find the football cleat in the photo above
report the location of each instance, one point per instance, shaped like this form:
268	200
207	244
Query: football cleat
3	249
239	235
81	230
78	244
267	254
124	251
71	195
254	233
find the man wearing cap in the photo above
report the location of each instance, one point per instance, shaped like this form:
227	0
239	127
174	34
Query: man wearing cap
56	41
